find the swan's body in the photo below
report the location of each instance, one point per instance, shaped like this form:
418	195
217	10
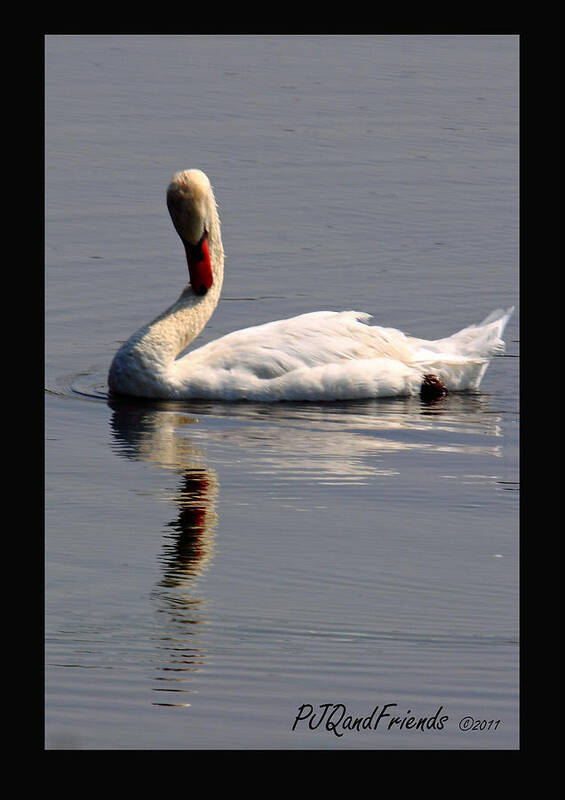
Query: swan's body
324	355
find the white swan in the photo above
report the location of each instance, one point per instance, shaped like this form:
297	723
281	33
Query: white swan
324	355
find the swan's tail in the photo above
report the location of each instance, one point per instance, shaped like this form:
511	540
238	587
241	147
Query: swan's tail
483	340
460	360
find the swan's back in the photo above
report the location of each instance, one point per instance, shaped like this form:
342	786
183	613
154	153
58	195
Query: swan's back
329	355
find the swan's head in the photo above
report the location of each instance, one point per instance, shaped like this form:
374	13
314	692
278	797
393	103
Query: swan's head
192	207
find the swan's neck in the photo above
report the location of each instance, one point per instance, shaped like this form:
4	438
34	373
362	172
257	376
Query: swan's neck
173	330
145	364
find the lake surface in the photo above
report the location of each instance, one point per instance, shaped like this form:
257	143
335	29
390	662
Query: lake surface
246	576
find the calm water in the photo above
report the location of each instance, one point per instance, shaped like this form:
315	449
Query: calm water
214	571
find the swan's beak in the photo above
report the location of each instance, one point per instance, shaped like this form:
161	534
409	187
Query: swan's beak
199	267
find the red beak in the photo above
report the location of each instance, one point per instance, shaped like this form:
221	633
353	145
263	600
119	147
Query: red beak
199	267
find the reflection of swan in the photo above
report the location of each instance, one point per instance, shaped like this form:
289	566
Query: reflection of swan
324	355
152	436
356	444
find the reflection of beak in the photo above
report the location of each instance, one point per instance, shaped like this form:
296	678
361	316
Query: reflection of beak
189	551
199	267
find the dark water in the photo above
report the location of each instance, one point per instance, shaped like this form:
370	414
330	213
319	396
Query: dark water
212	568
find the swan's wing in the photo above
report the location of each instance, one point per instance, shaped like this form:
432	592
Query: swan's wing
309	340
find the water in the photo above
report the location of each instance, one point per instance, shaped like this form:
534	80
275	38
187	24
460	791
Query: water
212	568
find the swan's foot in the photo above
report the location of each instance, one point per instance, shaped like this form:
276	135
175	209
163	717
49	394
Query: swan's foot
432	388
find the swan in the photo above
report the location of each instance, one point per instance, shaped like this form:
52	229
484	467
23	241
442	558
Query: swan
319	356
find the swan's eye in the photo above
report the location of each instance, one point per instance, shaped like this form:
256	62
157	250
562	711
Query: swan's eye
175	202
